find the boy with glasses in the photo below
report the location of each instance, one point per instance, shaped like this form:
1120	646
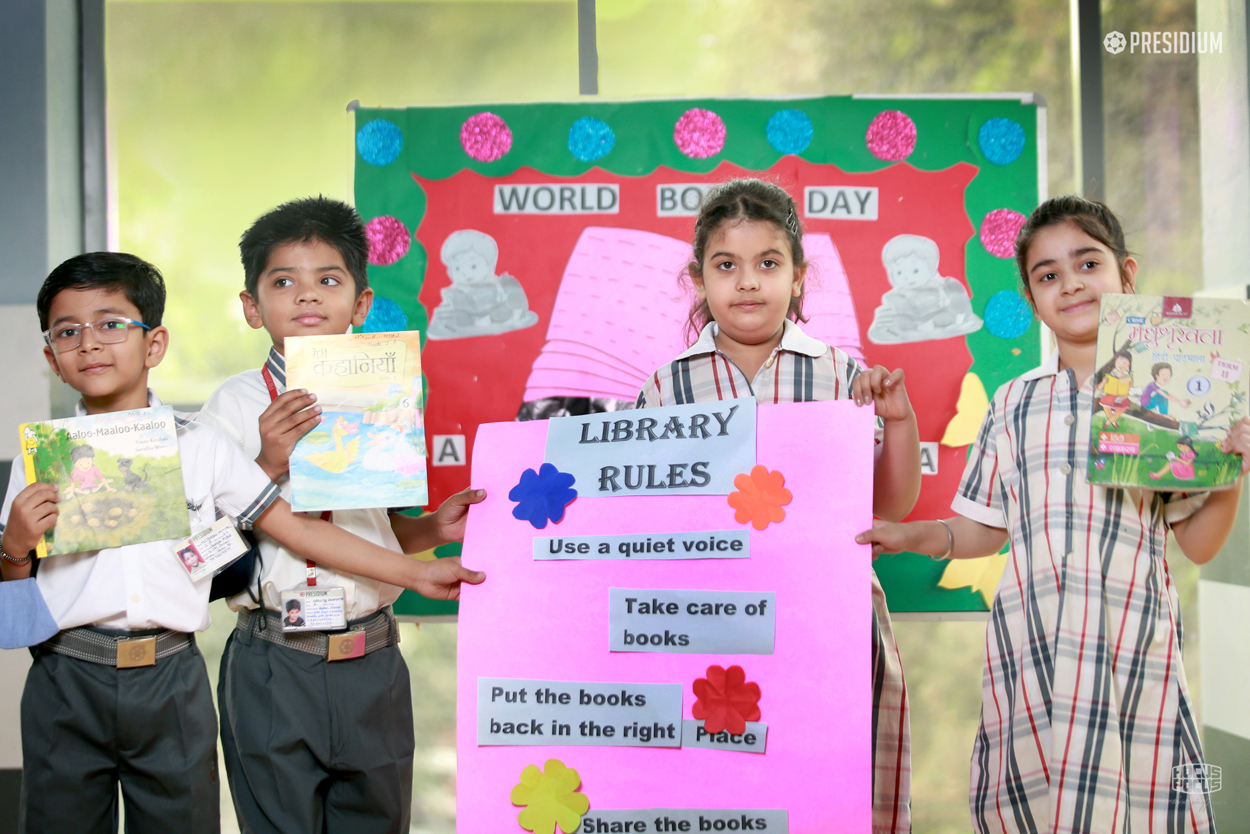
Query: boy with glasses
120	694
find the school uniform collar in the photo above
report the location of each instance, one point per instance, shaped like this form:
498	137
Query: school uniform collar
793	339
80	409
276	363
1048	368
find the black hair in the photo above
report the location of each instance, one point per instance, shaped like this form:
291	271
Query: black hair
292	605
1103	372
332	222
139	280
79	452
1090	216
744	199
1185	440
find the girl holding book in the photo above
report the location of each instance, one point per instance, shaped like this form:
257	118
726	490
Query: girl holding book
1086	720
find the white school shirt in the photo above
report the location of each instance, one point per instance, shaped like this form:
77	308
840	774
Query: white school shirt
234	409
143	586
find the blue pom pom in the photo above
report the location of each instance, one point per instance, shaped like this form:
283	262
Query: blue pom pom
385	316
1007	315
379	142
590	138
1001	140
789	131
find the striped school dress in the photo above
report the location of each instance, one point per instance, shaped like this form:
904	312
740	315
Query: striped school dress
803	369
1086	720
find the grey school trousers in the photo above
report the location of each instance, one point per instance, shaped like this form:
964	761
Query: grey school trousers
86	727
313	747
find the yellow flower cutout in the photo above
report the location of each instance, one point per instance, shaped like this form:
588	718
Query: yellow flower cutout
550	798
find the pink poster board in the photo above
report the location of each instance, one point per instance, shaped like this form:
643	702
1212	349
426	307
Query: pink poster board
548	620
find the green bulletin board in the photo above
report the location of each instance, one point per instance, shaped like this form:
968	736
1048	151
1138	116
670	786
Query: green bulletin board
482	220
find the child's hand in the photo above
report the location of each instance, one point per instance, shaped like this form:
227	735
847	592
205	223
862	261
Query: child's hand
1238	441
450	517
885	390
33	513
442	577
885	537
286	420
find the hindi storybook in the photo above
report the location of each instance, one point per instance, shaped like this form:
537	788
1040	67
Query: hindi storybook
1170	380
369	449
119	476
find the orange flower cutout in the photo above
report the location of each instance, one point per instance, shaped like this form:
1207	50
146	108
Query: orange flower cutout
760	497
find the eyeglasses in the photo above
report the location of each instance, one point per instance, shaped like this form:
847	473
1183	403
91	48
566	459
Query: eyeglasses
68	335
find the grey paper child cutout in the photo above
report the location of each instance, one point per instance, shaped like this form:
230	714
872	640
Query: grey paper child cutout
922	304
478	302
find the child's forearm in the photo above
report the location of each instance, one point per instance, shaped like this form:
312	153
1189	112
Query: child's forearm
972	539
336	548
1203	534
967	539
896	484
416	535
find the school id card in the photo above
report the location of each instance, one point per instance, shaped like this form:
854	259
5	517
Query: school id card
211	550
313	608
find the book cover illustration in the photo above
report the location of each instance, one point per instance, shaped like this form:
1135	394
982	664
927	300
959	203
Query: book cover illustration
1169	381
369	448
119	476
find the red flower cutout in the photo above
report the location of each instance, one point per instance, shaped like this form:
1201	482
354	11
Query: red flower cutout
725	700
760	497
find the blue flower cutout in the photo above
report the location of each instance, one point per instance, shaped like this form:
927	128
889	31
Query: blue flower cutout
542	496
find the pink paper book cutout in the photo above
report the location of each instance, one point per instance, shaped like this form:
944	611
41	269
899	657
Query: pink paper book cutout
621	311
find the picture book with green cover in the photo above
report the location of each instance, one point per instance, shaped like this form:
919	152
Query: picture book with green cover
1169	381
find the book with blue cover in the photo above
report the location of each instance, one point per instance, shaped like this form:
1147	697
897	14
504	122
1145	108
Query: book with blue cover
369	448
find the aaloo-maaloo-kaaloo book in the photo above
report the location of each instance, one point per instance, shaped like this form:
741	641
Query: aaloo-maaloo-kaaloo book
119	477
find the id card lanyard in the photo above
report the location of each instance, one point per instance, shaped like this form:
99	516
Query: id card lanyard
310	566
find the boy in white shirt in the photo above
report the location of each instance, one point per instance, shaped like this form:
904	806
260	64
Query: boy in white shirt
312	745
89	719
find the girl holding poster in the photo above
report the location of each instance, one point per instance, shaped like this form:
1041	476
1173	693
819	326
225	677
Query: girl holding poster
748	272
1086	721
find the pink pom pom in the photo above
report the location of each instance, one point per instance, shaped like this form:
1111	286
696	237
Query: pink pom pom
999	230
388	240
891	136
485	137
699	133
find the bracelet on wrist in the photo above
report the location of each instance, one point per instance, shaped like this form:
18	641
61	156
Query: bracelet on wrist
13	559
950	543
